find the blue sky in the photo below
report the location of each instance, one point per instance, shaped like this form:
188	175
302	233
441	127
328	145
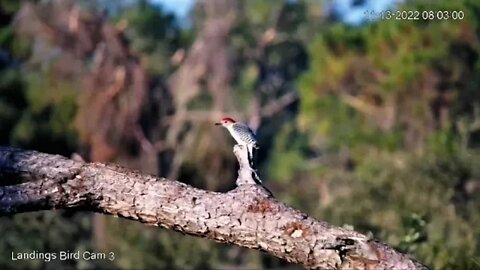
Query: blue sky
351	14
179	7
348	12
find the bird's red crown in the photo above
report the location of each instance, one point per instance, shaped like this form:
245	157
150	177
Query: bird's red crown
227	120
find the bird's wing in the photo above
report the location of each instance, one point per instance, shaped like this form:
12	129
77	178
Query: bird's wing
245	133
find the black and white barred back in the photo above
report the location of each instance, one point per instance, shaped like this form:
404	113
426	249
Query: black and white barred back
243	134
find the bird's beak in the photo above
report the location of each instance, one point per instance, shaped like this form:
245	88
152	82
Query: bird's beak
218	124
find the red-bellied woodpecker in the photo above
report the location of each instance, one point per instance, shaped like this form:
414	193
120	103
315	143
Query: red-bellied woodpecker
242	134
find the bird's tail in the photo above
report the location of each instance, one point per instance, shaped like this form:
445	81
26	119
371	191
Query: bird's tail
251	155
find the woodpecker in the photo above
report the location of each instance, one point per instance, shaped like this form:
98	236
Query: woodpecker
242	134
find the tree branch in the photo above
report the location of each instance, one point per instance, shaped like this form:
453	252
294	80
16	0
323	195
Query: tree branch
247	216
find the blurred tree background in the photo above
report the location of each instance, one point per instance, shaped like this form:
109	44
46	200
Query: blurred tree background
374	126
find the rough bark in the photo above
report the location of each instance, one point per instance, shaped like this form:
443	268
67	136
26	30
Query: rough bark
247	216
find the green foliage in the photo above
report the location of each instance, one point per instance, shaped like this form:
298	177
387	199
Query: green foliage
282	167
415	226
388	111
147	248
385	137
46	122
44	232
35	113
12	102
153	33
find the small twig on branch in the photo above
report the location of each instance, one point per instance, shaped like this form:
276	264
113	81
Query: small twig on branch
146	144
277	105
247	216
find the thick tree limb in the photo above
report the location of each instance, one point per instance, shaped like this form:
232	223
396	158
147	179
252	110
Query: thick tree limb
247	216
